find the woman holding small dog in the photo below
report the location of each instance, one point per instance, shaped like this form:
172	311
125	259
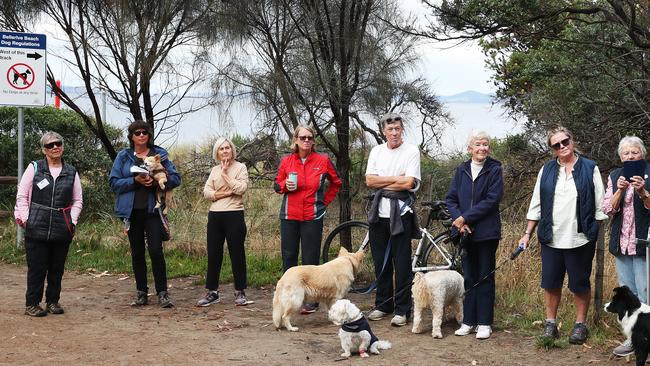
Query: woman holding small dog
473	201
225	188
566	206
48	205
135	204
627	203
301	179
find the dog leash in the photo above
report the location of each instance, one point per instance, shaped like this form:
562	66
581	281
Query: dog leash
513	256
373	285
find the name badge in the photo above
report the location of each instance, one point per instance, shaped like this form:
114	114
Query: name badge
42	184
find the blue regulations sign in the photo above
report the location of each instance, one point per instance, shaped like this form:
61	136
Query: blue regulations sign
22	69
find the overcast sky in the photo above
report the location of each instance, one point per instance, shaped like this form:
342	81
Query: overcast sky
450	70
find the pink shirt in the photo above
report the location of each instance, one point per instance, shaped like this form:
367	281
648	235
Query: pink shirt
627	240
24	195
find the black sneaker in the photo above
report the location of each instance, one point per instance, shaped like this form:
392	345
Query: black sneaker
163	300
579	334
550	331
141	299
212	297
35	310
54	308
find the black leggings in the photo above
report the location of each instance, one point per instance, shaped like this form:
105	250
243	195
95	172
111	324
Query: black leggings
147	225
226	226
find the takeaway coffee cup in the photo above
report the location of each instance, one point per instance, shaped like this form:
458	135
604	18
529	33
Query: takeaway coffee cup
293	177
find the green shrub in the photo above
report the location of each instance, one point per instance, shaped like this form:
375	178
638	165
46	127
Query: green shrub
82	149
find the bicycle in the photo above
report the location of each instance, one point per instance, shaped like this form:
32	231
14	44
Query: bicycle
433	253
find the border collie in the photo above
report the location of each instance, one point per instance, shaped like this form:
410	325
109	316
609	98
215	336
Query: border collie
634	318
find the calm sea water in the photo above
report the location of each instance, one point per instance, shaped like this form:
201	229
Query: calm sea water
209	122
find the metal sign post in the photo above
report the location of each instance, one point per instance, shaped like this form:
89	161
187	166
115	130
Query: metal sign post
21	122
23	74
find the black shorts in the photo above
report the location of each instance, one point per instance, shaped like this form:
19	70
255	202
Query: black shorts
576	262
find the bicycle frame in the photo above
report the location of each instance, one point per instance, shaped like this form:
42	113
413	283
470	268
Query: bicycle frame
427	237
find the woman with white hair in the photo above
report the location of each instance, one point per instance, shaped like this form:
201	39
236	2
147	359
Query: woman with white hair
225	188
473	201
627	203
48	204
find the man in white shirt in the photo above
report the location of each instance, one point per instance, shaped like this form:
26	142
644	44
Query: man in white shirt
394	171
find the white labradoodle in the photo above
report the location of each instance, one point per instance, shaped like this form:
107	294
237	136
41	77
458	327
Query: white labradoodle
355	332
438	290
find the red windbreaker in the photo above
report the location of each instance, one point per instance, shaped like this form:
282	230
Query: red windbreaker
309	200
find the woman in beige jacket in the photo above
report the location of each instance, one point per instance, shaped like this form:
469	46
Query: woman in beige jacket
225	189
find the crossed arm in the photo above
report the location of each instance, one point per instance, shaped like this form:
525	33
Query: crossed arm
390	183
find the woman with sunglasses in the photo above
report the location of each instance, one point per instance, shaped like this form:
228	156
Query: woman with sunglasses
627	203
48	204
301	180
565	206
135	205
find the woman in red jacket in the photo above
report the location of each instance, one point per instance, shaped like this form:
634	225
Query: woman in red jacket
301	180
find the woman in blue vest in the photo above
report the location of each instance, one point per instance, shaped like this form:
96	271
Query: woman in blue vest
566	206
473	200
627	203
135	203
48	204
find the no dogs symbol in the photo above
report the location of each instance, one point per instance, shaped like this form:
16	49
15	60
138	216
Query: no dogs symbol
20	76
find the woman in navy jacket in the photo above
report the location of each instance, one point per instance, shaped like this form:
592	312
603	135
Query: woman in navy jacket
473	201
135	203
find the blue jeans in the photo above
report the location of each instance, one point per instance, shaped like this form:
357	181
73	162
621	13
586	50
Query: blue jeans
631	271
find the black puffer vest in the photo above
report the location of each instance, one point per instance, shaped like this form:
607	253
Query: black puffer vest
49	210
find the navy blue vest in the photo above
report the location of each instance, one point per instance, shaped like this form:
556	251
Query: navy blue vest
47	220
583	172
359	325
641	218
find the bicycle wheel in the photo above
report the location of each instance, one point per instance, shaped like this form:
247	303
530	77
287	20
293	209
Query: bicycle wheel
352	235
442	252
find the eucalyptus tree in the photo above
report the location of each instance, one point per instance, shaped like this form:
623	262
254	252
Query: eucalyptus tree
583	64
146	55
336	66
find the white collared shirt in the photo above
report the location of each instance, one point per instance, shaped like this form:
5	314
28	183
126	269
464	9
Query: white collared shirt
565	221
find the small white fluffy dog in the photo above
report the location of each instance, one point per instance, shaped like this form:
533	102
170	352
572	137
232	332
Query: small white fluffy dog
438	290
355	332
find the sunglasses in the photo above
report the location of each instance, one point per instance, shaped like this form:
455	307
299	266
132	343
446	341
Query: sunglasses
52	144
558	145
141	132
306	138
396	119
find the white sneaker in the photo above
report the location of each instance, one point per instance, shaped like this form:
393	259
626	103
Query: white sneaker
398	320
464	330
483	331
376	315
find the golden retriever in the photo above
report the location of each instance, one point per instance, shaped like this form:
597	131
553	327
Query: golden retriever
325	283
